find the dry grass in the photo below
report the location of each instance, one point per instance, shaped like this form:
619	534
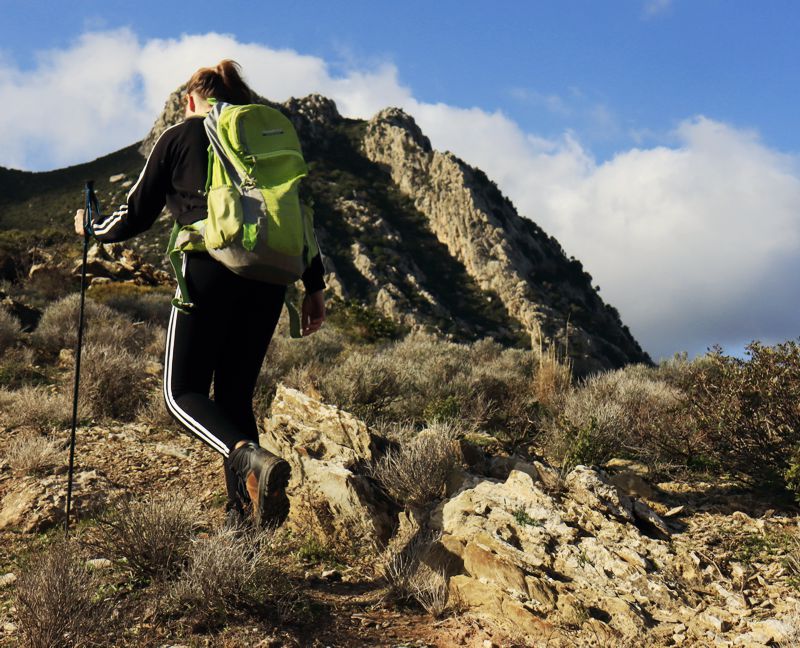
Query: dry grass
429	587
553	376
114	382
417	471
57	601
9	330
58	328
151	536
627	412
32	454
229	574
42	408
409	577
153	411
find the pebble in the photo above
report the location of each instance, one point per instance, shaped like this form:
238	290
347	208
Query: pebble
98	563
331	575
7	579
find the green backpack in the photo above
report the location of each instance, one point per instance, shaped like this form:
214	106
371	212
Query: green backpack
256	225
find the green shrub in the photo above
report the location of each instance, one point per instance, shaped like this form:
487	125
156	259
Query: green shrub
746	411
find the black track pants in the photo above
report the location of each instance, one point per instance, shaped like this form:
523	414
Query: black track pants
224	339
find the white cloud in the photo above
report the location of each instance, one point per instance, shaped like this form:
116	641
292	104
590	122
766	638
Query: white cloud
654	7
695	243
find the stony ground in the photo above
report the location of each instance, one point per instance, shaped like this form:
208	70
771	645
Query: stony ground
745	588
352	610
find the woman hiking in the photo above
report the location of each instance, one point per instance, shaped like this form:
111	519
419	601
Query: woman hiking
225	336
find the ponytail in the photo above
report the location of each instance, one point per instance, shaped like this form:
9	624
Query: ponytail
223	83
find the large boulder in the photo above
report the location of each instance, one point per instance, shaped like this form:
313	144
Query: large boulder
328	450
528	554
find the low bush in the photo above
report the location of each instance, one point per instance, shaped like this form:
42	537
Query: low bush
229	574
58	601
18	368
10	330
32	454
363	383
140	303
151	536
746	412
58	327
624	413
416	472
114	382
39	407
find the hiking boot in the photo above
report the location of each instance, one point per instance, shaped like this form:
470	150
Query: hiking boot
266	477
236	518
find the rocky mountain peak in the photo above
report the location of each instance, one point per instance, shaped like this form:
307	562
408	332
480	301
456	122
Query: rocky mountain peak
398	118
431	243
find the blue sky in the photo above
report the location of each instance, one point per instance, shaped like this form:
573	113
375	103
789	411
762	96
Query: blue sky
616	71
656	139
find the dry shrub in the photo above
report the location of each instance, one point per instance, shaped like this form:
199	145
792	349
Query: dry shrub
32	454
364	383
422	379
10	330
114	383
410	578
151	535
153	411
619	413
553	376
417	471
57	601
58	328
284	353
429	587
230	573
39	407
18	368
140	303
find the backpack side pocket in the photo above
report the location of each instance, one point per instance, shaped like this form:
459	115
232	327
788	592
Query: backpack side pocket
225	217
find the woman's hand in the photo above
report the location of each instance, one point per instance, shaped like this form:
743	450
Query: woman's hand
79	222
313	312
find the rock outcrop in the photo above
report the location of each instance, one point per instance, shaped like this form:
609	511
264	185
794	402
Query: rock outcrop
577	560
505	253
328	449
37	503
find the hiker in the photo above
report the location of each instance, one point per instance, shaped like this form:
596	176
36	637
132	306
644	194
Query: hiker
226	334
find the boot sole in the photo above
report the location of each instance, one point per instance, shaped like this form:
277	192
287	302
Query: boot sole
273	504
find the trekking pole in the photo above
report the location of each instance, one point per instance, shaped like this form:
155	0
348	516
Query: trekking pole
91	203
